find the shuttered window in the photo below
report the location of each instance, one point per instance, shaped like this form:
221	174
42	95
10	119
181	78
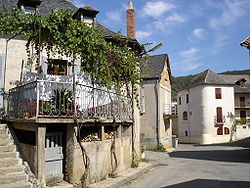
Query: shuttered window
219	114
185	116
220	131
218	93
226	130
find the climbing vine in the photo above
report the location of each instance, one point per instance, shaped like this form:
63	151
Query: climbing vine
113	63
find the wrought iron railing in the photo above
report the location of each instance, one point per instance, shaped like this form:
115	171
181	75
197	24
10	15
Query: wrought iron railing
219	120
48	99
242	105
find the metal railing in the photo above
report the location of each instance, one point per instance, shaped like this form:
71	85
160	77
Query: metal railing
170	109
219	121
48	99
242	105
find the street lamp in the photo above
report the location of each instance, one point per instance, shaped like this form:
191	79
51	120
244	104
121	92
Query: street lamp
246	43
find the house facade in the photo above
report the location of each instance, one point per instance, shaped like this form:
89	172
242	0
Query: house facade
156	108
39	110
241	104
206	109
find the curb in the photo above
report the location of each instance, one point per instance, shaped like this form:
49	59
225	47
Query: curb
136	175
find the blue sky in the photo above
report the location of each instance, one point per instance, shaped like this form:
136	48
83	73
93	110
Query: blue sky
197	34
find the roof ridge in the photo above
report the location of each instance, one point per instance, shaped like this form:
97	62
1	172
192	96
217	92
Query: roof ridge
205	80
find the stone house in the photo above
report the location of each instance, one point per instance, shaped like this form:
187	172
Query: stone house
156	108
209	108
39	111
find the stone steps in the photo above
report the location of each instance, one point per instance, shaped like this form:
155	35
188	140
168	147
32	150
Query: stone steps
12	177
11	169
12	174
18	184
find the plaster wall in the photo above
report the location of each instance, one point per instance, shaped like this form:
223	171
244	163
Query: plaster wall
99	153
201	110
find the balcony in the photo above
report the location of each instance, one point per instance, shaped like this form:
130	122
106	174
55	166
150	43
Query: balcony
44	99
219	120
242	105
170	110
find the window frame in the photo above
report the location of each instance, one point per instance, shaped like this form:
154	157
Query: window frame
218	93
185	115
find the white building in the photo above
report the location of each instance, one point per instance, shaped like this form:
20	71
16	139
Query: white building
206	109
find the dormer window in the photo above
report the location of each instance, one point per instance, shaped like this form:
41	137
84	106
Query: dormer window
86	14
241	82
29	6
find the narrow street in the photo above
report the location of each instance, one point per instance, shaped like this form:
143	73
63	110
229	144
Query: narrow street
193	166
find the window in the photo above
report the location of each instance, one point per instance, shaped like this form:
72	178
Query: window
143	107
186	133
179	100
242	102
226	130
218	93
243	115
185	115
57	67
187	98
220	131
219	115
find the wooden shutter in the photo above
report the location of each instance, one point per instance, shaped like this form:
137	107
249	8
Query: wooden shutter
226	130
219	114
220	131
218	93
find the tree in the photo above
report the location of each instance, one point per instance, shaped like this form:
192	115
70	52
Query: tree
114	64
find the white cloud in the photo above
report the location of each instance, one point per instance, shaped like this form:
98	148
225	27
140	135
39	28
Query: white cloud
114	16
173	20
188	59
156	9
231	11
140	35
199	33
191	53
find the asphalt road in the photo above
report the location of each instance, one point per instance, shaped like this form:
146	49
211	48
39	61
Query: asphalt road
194	166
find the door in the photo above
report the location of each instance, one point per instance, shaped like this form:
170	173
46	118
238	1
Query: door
54	154
243	115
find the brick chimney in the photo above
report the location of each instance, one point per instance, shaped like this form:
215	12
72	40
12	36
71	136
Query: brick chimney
130	20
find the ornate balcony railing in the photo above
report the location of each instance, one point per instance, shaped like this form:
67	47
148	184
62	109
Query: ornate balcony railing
219	120
52	99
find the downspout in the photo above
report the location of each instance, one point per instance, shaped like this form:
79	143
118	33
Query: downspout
4	73
157	93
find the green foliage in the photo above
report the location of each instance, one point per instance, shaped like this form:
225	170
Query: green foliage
237	72
180	83
114	64
135	163
159	148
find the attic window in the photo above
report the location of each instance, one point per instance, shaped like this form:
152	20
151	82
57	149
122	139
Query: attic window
241	82
28	9
28	6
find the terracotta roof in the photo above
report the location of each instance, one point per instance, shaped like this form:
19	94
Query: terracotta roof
246	42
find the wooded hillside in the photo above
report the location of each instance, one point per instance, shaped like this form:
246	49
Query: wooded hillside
182	81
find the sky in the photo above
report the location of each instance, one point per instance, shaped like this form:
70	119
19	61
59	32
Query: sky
197	34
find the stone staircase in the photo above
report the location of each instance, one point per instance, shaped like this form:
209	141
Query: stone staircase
12	170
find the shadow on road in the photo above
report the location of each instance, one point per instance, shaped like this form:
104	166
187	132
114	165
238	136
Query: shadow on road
207	183
216	155
240	143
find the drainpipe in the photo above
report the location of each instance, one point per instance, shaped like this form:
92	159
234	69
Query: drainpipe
157	93
4	73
